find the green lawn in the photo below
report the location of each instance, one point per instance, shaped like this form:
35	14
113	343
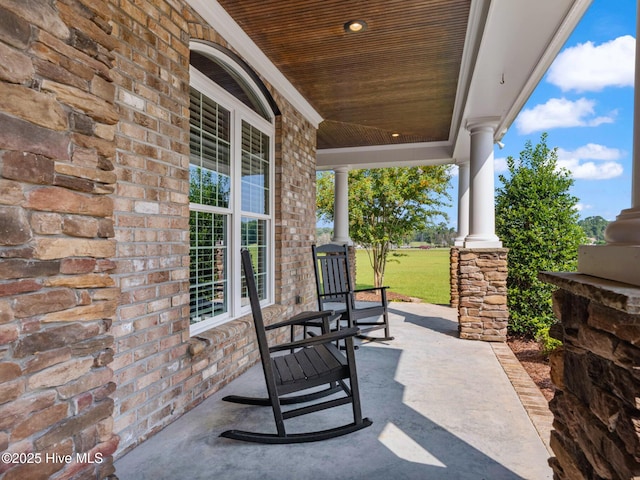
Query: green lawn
417	273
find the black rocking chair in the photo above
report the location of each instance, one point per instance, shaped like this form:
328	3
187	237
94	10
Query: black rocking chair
314	362
336	291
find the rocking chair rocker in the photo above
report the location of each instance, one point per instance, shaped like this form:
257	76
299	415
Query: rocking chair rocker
314	362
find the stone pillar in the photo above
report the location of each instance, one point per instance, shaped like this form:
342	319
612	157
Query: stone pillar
482	224
352	265
454	293
463	231
482	286
596	407
613	261
341	207
463	204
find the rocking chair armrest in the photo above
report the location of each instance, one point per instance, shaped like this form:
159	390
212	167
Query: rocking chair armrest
335	294
372	289
318	339
302	318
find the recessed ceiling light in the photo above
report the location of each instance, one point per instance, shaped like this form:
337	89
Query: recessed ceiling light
355	26
395	135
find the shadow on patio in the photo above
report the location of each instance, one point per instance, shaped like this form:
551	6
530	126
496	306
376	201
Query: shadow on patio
442	407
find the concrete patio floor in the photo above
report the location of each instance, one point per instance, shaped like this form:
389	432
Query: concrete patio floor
442	408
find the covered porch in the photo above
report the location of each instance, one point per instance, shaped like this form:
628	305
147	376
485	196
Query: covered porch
441	407
101	353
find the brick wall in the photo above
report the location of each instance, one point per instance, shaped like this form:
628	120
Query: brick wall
596	413
94	328
160	371
295	208
151	217
57	295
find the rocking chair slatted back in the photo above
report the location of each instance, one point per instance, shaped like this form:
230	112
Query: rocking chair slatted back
312	362
336	291
332	274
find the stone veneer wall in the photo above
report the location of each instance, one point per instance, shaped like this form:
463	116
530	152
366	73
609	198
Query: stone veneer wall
57	295
597	402
352	265
482	288
454	294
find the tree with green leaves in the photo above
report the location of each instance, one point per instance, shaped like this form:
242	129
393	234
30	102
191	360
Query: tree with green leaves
594	228
387	204
537	219
441	235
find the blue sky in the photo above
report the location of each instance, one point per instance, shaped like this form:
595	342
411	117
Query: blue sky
585	104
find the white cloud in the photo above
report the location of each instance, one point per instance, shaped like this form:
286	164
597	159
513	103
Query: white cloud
500	165
593	171
583	206
589	67
593	151
560	113
591	162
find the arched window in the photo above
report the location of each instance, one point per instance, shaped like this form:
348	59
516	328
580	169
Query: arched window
230	185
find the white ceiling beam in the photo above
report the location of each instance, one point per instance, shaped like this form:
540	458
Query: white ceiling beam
519	43
376	156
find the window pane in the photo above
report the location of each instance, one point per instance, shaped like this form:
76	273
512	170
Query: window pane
228	79
255	170
254	237
230	203
210	153
208	272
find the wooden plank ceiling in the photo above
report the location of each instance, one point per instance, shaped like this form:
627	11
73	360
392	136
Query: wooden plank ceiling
398	76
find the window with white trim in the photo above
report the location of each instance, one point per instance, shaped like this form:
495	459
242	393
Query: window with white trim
231	188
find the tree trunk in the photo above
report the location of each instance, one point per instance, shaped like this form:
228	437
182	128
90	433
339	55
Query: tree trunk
378	278
379	263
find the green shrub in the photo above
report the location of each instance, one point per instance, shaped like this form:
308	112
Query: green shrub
537	220
547	343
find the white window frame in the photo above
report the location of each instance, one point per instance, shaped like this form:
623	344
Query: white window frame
239	112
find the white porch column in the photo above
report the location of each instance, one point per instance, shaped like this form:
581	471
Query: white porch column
482	217
620	259
341	207
463	203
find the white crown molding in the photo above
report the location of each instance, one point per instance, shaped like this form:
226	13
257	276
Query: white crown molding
216	16
376	156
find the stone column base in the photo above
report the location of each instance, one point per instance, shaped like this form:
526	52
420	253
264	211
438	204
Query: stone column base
596	416
352	265
482	289
454	295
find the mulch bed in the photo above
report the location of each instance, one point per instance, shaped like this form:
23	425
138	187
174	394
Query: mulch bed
536	364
